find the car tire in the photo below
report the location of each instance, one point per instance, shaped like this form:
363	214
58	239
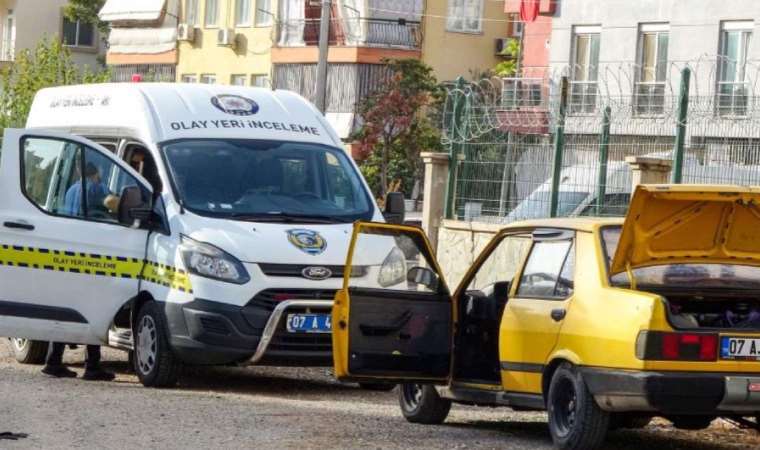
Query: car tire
420	403
154	362
378	387
29	352
691	423
575	420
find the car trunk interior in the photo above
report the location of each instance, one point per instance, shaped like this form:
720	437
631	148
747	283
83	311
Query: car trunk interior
720	310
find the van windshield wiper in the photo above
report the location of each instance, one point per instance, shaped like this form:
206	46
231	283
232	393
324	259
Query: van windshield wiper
280	217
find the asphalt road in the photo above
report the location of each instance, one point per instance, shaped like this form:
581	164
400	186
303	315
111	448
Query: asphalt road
272	408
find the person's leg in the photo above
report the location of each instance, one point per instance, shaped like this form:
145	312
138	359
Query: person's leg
92	369
54	362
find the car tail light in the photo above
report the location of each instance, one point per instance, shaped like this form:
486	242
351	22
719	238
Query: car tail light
664	346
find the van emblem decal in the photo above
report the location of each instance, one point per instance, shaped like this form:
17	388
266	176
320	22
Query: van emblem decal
316	273
235	105
307	241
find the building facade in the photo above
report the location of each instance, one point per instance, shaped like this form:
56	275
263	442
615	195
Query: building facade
23	23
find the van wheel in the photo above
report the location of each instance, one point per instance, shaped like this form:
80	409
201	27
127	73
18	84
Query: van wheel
420	403
379	387
575	420
29	352
154	362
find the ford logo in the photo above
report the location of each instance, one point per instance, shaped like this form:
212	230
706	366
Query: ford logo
316	273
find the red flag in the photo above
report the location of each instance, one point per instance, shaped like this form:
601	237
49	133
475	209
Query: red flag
529	10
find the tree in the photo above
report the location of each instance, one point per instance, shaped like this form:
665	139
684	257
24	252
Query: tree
86	11
395	128
49	64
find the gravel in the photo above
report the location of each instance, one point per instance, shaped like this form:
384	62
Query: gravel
277	408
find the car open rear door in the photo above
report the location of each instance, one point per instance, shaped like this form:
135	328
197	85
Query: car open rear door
393	319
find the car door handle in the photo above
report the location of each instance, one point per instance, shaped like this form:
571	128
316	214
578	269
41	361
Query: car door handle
19	225
558	314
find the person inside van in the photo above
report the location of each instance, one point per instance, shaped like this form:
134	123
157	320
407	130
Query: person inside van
97	193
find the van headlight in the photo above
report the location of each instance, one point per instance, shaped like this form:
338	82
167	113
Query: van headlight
208	261
393	270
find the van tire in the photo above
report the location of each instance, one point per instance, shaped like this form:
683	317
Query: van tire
154	362
575	420
420	403
29	352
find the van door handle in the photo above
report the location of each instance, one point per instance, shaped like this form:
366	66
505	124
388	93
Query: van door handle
558	314
19	225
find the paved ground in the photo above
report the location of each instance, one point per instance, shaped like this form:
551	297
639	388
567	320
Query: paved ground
271	408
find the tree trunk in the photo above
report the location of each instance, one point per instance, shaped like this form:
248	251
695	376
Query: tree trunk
384	170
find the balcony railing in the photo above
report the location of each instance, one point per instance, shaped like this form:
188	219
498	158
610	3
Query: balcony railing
649	99
522	92
732	98
359	32
583	97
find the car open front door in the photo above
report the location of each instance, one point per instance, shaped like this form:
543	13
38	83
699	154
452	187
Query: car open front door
393	318
70	256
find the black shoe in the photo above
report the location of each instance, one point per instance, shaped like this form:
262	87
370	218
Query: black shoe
98	375
58	372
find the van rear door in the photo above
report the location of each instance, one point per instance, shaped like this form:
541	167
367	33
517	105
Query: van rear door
67	261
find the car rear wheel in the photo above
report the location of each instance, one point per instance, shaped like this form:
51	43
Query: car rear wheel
575	420
154	362
420	403
29	352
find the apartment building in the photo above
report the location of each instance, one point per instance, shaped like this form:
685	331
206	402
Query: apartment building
143	38
226	42
24	22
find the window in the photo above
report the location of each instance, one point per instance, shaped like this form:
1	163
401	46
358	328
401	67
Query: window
208	79
732	81
54	181
465	16
549	271
238	80
243	13
264	13
191	12
189	78
501	265
653	69
260	81
9	37
212	13
583	87
78	34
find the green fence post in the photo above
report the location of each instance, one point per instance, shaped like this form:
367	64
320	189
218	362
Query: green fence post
559	144
604	146
683	114
456	147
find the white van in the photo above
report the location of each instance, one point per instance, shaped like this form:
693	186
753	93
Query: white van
193	224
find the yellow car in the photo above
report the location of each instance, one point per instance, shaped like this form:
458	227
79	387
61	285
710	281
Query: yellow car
605	323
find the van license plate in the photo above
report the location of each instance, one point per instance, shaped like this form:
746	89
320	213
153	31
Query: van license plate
309	323
740	348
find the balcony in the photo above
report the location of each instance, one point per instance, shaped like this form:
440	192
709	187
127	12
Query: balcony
524	107
359	32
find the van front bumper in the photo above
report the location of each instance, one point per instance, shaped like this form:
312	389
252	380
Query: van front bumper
208	332
673	393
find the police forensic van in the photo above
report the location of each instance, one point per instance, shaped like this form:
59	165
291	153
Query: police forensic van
191	224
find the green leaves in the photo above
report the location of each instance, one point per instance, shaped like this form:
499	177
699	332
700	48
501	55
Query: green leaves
86	11
47	65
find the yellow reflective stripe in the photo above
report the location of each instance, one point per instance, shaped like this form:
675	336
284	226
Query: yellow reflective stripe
94	264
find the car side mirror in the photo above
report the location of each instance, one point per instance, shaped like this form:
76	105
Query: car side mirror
423	276
395	208
132	207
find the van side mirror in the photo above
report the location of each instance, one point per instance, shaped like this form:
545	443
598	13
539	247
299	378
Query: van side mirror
395	208
423	276
132	207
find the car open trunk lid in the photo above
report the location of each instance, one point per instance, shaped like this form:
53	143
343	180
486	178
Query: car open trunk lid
690	224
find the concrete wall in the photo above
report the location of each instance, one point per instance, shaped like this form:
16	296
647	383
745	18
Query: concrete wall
694	32
452	54
252	55
459	244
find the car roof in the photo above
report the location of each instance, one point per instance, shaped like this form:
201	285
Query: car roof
586	224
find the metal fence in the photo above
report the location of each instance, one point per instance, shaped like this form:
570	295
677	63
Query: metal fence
529	148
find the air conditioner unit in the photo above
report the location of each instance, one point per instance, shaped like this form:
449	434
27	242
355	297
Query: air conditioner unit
226	37
185	32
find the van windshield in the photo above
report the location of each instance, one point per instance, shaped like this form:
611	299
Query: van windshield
698	276
267	181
